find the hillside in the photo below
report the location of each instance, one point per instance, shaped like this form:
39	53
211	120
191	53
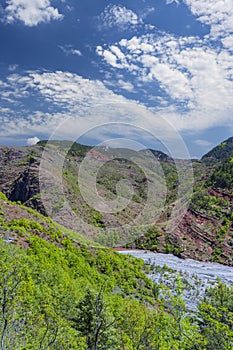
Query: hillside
60	291
205	232
53	271
221	152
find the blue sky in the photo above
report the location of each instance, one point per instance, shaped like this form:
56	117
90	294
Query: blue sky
151	71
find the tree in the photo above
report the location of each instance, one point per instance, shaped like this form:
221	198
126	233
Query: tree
216	317
93	321
136	326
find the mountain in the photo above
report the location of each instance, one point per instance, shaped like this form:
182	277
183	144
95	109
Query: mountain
204	233
222	156
221	152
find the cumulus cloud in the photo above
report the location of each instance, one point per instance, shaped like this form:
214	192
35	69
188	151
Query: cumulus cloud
73	104
68	90
115	57
32	141
228	42
118	16
218	14
31	12
192	76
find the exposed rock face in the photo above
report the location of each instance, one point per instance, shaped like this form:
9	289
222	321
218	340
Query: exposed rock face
201	235
19	174
24	187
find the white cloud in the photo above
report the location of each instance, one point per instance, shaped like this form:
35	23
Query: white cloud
32	141
147	11
126	85
75	105
76	52
70	50
120	83
149	56
72	105
68	89
115	57
218	14
228	42
168	2
12	67
203	143
110	58
31	12
118	16
195	75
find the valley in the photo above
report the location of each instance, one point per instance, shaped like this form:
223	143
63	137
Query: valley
204	233
62	288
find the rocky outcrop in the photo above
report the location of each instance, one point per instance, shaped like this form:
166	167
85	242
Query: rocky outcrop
19	174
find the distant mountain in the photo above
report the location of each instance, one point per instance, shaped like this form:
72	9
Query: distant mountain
159	154
73	148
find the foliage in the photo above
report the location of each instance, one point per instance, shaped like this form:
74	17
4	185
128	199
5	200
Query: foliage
80	298
93	322
149	239
216	318
73	148
223	175
219	152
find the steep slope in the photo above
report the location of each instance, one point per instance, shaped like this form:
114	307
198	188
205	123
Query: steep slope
45	270
220	152
208	225
19	179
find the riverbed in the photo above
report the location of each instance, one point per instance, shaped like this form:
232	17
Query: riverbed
204	270
196	275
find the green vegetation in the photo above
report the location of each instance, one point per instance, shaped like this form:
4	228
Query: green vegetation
216	314
220	152
54	298
211	205
59	291
74	149
173	247
223	175
149	240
